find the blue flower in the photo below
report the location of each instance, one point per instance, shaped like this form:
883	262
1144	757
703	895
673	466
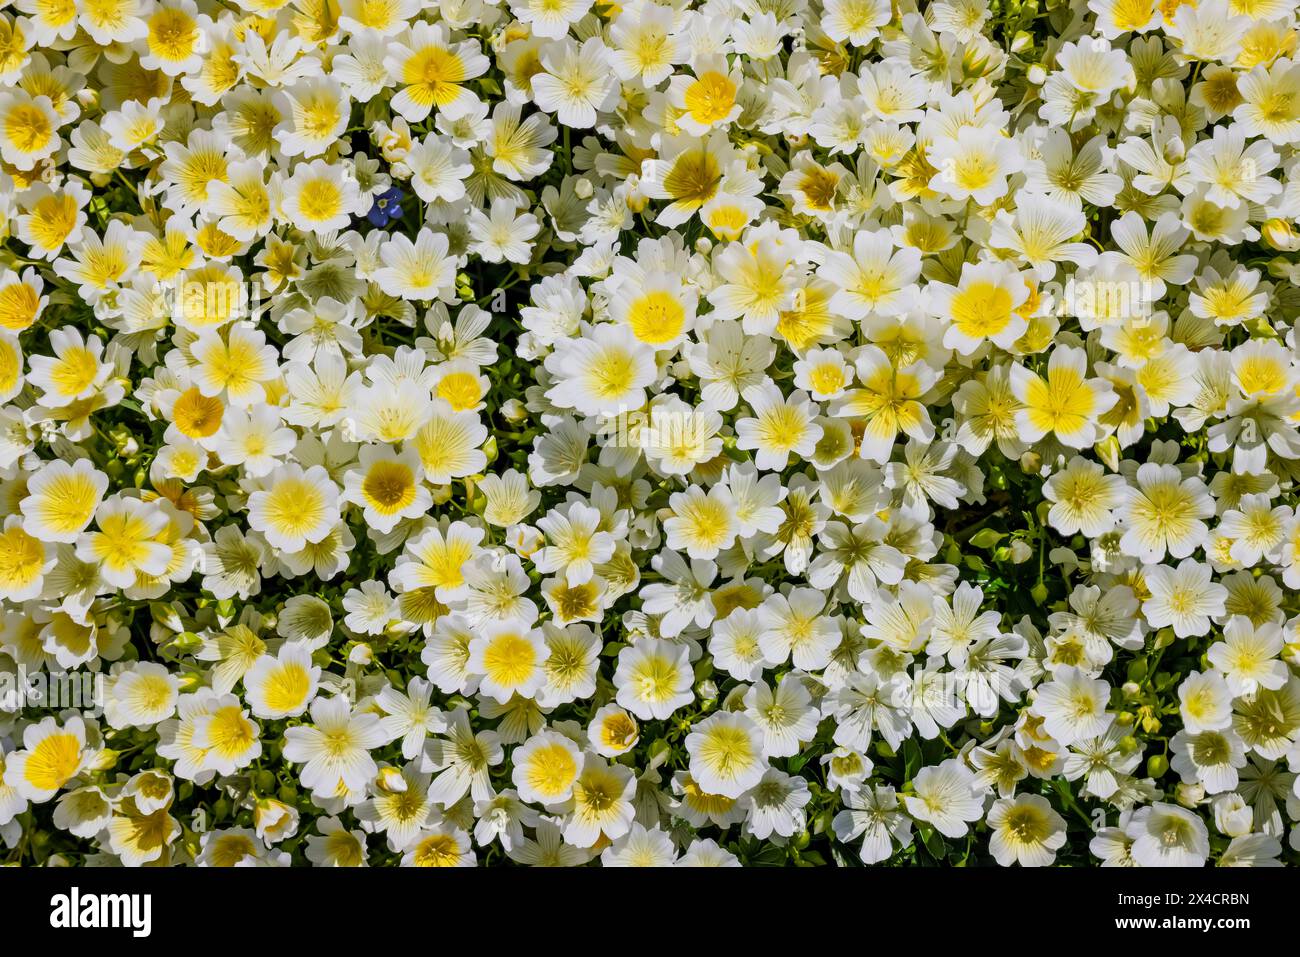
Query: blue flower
387	207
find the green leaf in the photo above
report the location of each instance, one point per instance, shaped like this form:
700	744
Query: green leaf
911	758
987	538
935	845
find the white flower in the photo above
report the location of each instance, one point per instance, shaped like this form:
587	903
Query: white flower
1183	597
785	714
1165	835
1026	830
1205	702
640	848
602	375
975	164
702	523
549	20
508	657
284	684
947	797
577	82
726	753
1073	705
1247	656
653	679
780	427
776	803
874	278
794	627
546	767
336	747
297	507
421	270
410	716
503	234
1163	514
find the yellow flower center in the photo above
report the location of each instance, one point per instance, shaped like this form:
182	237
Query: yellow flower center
656	317
710	98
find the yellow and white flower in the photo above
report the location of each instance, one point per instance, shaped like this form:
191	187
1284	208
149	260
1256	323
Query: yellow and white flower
1064	402
24	562
234	365
602	375
471	391
125	542
432	71
421	270
284	684
653	679
726	754
983	307
601	806
141	696
387	486
227	737
296	507
315	111
509	657
75	370
708	99
61	500
53	753
546	767
174	38
335	748
319	197
29	129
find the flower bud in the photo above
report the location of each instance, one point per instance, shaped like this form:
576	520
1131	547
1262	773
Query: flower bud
975	60
1281	235
390	779
514	411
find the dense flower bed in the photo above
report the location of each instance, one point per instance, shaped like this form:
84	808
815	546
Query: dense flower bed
741	432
